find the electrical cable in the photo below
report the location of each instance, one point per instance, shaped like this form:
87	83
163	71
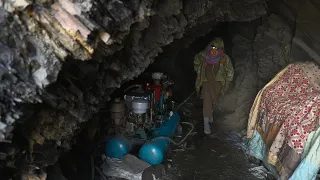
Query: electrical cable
92	168
176	109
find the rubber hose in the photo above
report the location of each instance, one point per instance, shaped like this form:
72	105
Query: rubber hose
182	140
133	86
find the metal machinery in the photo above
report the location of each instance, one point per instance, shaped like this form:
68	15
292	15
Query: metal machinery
144	119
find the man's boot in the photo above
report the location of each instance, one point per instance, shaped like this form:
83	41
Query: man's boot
206	124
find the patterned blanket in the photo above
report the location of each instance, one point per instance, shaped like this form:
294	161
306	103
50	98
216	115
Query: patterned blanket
284	113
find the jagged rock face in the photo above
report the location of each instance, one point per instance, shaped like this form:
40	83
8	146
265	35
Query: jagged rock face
284	36
124	38
258	59
138	29
305	44
26	66
98	45
260	49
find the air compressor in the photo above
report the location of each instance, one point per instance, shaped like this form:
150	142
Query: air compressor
149	121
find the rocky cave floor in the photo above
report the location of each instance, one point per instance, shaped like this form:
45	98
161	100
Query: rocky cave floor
207	157
212	159
203	157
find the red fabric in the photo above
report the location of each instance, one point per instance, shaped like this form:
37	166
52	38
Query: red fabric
157	89
223	61
293	104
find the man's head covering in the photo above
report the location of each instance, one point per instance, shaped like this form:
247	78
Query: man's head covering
215	44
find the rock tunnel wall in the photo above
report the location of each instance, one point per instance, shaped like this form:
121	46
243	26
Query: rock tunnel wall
259	49
262	48
96	46
125	38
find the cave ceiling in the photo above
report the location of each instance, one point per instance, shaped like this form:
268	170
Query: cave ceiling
61	60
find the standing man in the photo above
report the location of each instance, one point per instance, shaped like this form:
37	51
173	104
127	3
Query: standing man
214	74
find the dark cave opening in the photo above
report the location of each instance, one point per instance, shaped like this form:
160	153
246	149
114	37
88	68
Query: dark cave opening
176	60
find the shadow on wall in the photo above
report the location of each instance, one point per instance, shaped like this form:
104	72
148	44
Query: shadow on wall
177	60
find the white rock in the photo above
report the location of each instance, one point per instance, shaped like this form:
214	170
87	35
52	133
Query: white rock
16	116
70	7
2	137
2	126
18	99
105	37
10	120
40	77
20	3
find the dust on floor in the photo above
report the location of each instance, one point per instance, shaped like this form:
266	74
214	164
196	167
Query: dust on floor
211	159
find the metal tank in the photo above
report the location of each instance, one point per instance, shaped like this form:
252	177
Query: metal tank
117	111
117	147
153	152
140	106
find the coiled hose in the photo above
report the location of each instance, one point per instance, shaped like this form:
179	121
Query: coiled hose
182	140
188	123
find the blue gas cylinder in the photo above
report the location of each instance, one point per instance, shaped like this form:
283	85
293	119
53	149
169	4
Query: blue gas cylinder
154	151
151	153
117	147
